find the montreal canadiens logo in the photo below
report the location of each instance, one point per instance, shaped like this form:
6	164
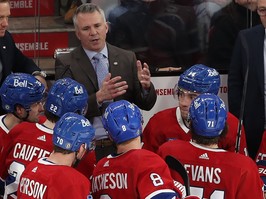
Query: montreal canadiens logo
68	145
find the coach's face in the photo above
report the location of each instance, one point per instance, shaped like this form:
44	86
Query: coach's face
262	11
4	14
91	30
249	4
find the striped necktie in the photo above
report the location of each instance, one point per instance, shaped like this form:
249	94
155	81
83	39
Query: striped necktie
100	67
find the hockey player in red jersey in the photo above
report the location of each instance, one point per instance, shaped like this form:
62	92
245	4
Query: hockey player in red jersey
29	141
21	96
262	171
132	172
262	149
213	172
53	177
194	81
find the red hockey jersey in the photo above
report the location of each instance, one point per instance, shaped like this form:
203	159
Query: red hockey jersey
135	174
168	125
43	179
215	173
3	132
262	150
23	144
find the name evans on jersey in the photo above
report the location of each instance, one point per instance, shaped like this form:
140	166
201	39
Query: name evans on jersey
204	173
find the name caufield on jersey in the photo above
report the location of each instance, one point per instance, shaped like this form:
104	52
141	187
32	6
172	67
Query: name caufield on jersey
28	152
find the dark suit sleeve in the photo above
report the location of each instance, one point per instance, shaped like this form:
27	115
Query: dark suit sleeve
24	64
15	60
148	98
135	93
236	77
61	69
248	52
145	100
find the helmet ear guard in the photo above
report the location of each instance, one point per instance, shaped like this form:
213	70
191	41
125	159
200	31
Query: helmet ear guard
200	78
21	89
208	115
67	95
123	121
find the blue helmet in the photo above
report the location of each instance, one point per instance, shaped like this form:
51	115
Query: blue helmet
199	78
72	130
208	115
67	95
123	121
20	88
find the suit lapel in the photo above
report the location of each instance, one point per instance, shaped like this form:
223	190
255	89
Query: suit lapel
84	63
114	61
3	51
86	66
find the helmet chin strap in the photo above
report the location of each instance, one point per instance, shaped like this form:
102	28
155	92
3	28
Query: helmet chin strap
25	118
187	122
21	118
76	160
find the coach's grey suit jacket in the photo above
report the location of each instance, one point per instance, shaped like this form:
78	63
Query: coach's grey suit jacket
249	55
77	66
